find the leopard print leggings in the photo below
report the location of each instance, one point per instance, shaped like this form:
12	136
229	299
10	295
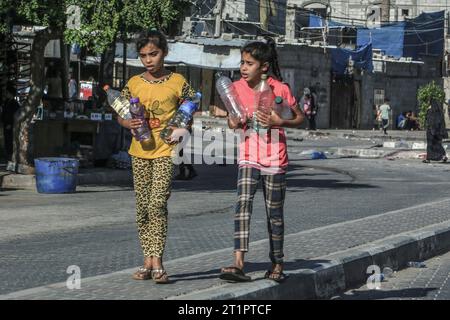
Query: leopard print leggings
152	183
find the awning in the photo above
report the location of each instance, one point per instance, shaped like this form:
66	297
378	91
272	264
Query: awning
204	56
206	53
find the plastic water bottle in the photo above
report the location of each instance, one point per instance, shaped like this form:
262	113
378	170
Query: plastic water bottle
138	112
388	272
119	103
264	101
282	109
229	97
416	264
182	116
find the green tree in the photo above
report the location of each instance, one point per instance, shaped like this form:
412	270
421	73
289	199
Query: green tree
95	25
424	95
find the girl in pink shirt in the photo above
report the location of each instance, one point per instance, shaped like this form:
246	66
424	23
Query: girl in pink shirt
263	156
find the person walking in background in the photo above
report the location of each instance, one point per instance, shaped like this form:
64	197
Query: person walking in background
73	87
385	109
436	132
308	103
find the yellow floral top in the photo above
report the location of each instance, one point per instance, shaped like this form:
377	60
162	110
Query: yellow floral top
161	99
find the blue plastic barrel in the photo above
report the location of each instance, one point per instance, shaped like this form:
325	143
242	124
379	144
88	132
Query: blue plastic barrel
56	175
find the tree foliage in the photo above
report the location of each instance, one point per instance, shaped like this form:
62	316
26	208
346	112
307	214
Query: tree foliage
101	20
425	94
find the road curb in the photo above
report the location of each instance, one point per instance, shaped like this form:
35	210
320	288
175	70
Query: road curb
338	272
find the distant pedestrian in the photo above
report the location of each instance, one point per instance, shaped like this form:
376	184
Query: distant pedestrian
73	87
309	105
401	121
436	132
385	109
186	170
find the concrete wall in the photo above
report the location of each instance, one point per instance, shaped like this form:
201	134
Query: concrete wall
400	82
304	66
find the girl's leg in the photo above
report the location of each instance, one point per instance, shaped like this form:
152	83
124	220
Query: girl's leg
162	171
142	180
274	195
248	179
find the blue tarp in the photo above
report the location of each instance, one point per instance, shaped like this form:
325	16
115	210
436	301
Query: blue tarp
388	38
361	57
425	35
421	35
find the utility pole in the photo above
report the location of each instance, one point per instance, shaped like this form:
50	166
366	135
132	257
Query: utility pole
218	12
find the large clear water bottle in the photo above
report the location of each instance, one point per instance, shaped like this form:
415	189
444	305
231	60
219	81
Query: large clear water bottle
119	103
264	101
229	97
183	116
138	112
283	110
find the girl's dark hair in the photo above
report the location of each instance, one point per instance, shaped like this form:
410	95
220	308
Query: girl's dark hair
265	52
154	37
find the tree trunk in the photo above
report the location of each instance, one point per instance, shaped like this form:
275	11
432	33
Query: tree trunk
23	155
65	62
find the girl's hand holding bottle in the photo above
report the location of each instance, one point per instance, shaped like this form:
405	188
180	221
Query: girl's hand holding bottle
234	122
178	134
269	120
132	124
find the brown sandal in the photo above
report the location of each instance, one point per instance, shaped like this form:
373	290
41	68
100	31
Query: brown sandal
143	274
160	276
277	276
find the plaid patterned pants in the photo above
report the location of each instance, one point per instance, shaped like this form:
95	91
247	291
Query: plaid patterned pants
274	189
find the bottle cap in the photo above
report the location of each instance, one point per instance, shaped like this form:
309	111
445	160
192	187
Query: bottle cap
264	76
134	100
106	87
278	100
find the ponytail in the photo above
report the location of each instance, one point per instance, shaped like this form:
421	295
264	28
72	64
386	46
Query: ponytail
275	67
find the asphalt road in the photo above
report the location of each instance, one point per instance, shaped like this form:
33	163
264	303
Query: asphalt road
41	235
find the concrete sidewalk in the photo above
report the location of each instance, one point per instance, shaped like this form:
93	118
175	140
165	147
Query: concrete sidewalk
219	124
91	176
320	262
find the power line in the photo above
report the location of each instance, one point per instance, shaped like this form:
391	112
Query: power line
284	6
320	36
306	13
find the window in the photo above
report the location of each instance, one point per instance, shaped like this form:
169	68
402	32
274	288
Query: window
378	97
405	12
